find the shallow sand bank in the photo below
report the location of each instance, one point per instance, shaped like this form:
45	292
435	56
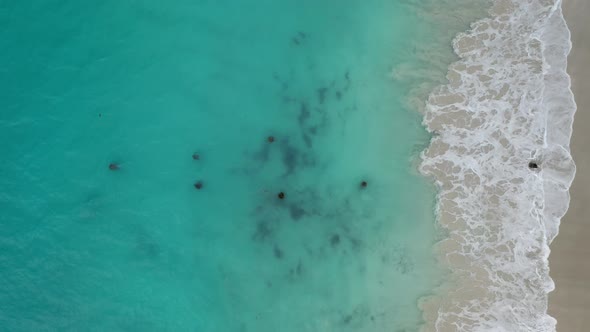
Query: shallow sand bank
570	251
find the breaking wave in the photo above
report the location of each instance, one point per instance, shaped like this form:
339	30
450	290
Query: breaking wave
500	157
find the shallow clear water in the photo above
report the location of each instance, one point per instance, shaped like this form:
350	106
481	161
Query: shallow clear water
147	84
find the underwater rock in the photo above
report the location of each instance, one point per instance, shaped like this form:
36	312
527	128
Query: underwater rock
278	253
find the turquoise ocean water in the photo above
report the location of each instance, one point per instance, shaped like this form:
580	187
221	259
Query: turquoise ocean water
147	84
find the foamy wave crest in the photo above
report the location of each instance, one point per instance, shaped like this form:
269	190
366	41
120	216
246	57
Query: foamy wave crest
500	156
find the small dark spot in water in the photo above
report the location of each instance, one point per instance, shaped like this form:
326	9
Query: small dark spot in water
283	83
100	115
295	40
146	246
92	197
114	166
347	75
398	260
299	269
196	156
151	250
263	154
347	319
307	141
290	155
335	240
533	165
277	252
287	99
198	185
313	130
303	113
338	95
268	284
270	139
293	158
281	195
373	318
263	231
356	244
364	184
322	94
296	212
302	34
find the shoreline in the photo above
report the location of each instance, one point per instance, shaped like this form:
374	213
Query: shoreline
569	267
500	159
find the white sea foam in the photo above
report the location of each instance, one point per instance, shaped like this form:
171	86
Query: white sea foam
508	103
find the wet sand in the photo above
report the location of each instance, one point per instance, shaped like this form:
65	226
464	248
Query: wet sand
570	251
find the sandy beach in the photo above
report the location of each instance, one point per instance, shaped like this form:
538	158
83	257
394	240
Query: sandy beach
569	263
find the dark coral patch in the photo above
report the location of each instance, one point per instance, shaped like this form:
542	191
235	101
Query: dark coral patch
335	240
263	231
296	212
278	253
